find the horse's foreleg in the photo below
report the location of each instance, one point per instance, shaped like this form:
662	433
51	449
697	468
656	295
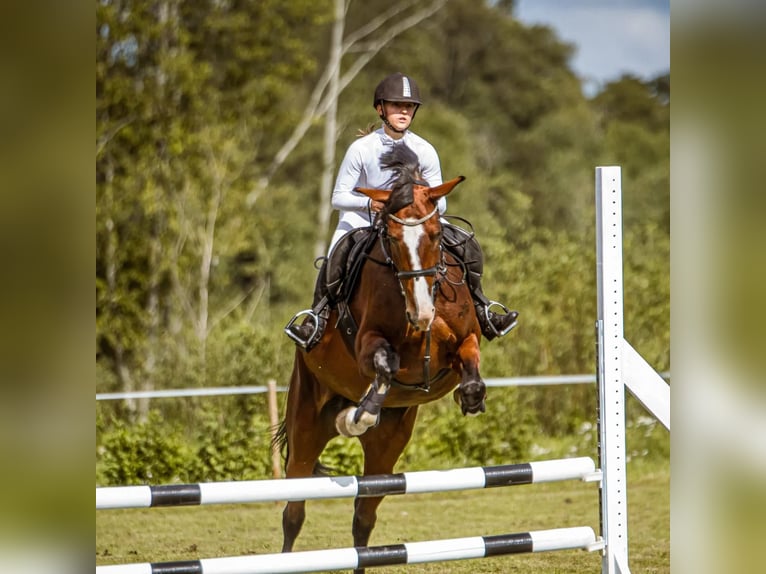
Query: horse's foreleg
382	447
472	391
378	359
354	421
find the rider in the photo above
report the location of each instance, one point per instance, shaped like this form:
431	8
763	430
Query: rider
396	99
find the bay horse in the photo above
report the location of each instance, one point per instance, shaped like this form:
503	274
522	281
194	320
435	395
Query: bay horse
415	317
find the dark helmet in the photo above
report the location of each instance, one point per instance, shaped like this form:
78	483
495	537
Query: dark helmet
397	88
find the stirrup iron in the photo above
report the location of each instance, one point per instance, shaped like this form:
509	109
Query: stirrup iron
303	343
506	311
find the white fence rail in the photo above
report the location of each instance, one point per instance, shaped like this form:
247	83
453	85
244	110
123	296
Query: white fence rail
258	389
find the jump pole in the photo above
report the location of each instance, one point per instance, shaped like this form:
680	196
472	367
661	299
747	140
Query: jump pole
618	365
314	488
580	537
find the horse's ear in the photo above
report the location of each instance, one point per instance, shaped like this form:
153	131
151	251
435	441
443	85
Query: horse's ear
443	189
380	195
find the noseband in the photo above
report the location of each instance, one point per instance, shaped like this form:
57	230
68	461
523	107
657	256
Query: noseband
415	222
403	275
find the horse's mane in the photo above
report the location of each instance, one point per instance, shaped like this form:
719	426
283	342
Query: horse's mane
404	164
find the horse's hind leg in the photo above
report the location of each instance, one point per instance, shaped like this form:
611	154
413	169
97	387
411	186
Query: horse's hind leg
382	447
307	441
308	432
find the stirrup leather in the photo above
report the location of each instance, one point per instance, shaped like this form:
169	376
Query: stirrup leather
315	318
488	318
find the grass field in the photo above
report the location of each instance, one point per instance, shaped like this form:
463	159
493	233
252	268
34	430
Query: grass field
163	534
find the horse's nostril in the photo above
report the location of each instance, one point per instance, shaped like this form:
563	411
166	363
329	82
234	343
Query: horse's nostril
412	321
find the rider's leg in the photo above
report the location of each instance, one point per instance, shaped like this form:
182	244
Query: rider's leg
465	247
326	292
308	333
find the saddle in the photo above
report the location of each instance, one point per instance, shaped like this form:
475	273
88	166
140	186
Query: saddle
344	265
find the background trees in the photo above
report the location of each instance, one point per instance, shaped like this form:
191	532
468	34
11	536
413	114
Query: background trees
210	203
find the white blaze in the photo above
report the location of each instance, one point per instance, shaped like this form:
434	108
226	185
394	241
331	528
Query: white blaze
423	302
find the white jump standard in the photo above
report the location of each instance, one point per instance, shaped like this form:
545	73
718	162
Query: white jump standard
618	365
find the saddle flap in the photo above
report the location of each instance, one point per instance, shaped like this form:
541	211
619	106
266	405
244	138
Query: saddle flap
345	262
347	327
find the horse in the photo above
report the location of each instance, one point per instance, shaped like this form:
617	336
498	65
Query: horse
415	318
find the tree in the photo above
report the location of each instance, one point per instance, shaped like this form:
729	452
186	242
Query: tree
174	152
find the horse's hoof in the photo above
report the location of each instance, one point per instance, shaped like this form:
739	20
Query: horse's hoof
473	412
471	398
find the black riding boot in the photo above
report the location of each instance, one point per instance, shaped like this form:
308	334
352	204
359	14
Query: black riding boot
492	324
466	248
309	332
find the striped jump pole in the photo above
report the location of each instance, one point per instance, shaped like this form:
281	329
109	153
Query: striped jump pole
314	488
581	537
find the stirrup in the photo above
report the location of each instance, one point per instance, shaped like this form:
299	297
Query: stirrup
300	342
506	311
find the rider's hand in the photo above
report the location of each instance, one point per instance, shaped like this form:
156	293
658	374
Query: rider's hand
376	205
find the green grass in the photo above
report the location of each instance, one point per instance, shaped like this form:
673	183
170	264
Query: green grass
163	534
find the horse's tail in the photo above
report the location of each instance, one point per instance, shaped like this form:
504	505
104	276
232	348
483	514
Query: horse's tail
279	440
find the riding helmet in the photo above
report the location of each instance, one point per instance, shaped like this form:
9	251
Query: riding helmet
397	88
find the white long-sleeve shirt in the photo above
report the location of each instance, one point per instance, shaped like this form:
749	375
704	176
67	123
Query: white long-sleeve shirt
361	168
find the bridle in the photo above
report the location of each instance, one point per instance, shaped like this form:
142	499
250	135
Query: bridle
415	222
440	270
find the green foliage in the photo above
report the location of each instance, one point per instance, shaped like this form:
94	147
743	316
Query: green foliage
232	442
233	446
218	442
243	353
444	438
343	456
151	452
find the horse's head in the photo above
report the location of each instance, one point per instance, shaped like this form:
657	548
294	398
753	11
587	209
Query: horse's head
412	231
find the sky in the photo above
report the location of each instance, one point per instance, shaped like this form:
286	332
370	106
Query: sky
611	37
